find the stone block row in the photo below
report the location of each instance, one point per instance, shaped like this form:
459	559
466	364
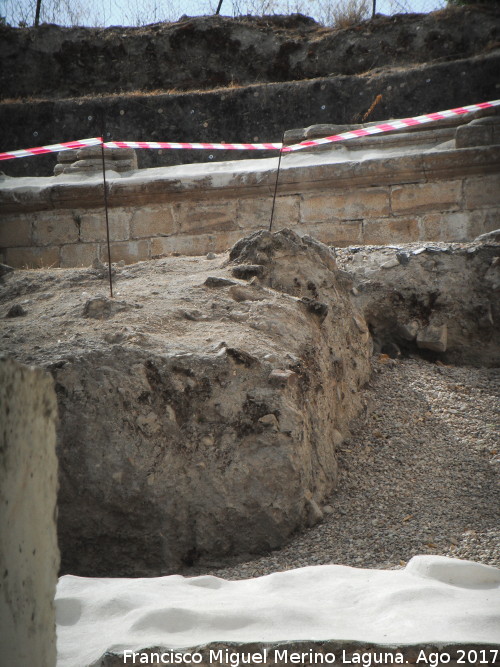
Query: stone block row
449	210
427	226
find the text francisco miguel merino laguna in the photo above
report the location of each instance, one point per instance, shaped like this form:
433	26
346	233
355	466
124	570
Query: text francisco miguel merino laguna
281	656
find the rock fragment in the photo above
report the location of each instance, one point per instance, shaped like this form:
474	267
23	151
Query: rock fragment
217	281
282	377
5	269
16	311
101	307
247	271
433	337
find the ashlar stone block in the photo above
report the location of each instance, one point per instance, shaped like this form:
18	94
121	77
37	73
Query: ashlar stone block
203	216
128	251
148	221
196	244
255	213
360	203
484	191
384	231
32	258
55	228
15	231
93	224
78	254
418	197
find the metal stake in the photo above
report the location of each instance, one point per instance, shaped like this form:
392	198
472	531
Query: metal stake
276	184
103	138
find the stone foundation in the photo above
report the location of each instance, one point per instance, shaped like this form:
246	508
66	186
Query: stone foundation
427	185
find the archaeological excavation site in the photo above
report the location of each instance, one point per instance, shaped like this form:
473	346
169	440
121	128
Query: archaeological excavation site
250	385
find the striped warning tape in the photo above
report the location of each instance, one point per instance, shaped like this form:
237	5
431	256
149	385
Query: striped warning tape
351	134
393	125
54	148
215	147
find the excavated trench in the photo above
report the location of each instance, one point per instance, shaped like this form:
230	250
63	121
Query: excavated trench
200	410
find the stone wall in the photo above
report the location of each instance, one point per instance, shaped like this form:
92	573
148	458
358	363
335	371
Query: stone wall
437	184
29	556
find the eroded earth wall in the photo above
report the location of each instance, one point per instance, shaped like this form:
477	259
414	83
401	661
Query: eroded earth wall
235	80
214	432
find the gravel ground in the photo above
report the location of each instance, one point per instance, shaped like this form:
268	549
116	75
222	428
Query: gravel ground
419	475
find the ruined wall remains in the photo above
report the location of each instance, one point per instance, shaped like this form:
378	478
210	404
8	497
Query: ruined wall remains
437	184
29	556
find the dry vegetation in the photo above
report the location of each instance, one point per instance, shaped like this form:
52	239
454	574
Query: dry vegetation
337	13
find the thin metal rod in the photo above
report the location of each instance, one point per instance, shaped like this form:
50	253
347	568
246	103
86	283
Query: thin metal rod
37	12
276	184
219	6
103	132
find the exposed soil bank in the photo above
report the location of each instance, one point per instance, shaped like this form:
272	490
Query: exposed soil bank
288	73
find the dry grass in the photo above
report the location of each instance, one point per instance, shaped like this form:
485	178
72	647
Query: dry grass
233	85
349	12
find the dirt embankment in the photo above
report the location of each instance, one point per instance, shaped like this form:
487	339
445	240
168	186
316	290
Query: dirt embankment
208	52
235	80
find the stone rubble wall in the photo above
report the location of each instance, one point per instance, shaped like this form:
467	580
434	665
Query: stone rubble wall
448	193
213	452
438	299
29	555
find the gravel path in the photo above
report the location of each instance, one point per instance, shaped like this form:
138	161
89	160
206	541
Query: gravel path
419	475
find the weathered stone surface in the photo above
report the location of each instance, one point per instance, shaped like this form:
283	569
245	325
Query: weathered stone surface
78	254
337	234
129	251
16	311
92	224
446	226
194	244
15	231
479	132
256	213
482	191
433	337
207	216
382	231
442	299
89	160
191	438
101	307
32	257
54	230
29	556
149	221
444	195
344	206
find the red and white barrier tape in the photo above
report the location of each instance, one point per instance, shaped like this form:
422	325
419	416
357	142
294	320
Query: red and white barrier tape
54	148
393	125
215	147
351	134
